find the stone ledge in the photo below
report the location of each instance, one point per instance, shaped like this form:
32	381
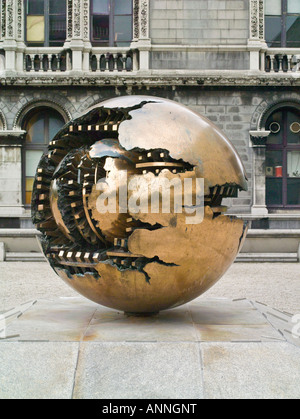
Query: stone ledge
267	257
18	232
24	257
274	233
155	78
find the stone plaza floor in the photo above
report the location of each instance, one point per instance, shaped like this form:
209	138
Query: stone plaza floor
236	341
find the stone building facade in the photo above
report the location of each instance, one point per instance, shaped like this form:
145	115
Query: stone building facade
211	55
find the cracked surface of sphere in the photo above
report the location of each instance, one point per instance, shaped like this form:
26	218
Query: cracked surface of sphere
138	262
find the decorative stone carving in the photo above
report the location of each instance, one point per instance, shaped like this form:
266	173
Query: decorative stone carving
86	20
3	19
10	19
70	19
254	19
20	19
261	20
257	19
259	138
184	80
144	18
136	19
76	18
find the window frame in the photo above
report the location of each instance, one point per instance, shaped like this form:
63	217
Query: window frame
111	16
284	148
284	15
47	16
43	147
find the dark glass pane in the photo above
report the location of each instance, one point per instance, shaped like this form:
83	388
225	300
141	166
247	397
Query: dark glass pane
28	189
36	129
56	122
293	164
57	30
293	127
274	161
57	7
35	29
274	191
273	31
101	28
293	192
35	7
273	7
275	125
123	7
32	159
293	31
123	29
293	6
101	6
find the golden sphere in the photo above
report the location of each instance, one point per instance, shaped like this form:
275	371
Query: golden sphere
108	235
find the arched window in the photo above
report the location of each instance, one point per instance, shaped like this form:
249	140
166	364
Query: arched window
283	159
46	22
111	22
282	23
41	126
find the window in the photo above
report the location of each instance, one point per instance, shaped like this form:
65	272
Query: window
41	127
282	21
45	22
111	22
283	159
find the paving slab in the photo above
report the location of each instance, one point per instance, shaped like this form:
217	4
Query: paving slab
168	326
251	370
224	311
139	371
59	320
287	324
37	370
218	320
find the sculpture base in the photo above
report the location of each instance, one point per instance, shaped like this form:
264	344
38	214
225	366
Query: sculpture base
141	314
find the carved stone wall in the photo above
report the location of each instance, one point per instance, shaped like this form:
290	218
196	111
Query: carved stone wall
140	19
257	30
20	20
136	19
69	19
78	20
144	19
3	19
10	26
12	20
86	20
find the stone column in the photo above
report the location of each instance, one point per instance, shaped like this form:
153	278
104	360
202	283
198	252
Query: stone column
258	143
78	33
11	202
141	39
12	33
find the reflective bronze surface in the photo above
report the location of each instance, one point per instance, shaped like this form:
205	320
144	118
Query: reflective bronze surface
152	260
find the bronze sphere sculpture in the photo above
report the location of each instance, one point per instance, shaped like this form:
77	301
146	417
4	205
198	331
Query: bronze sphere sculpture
147	261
